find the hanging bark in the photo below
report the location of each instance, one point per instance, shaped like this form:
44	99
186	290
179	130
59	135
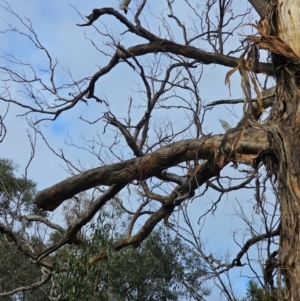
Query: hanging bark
284	128
274	141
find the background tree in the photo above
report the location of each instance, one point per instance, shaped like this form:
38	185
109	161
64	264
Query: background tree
162	268
256	293
167	162
16	270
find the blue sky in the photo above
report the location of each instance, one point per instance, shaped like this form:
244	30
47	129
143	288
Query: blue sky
55	23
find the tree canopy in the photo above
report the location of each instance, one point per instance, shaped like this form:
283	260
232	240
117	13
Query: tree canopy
146	109
163	268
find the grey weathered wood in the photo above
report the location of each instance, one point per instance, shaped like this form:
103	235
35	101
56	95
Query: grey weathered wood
205	148
260	6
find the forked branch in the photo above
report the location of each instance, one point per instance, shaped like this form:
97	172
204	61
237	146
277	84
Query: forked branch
206	148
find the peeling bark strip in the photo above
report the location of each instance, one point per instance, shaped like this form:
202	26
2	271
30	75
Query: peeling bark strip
280	35
225	146
287	134
289	23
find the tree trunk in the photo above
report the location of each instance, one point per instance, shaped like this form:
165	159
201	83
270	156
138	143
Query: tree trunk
285	132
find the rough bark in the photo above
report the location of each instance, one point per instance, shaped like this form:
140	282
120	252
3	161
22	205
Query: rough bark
285	130
289	23
287	144
260	6
275	141
218	148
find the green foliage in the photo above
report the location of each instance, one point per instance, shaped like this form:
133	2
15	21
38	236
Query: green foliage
256	293
15	193
16	270
163	268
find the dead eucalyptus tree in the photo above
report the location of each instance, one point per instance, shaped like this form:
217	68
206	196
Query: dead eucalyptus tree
168	60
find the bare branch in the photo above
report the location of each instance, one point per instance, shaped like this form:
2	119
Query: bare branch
28	287
268	97
97	13
70	236
38	218
20	246
224	190
151	164
178	195
252	241
161	45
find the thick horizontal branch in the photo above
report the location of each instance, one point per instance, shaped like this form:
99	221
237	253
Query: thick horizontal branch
250	144
157	44
191	52
182	192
